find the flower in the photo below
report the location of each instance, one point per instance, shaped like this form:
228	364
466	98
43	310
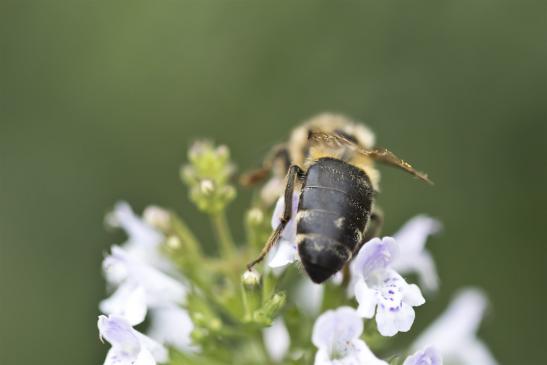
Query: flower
413	257
379	286
143	239
429	356
171	325
336	335
143	288
130	272
454	332
277	340
129	347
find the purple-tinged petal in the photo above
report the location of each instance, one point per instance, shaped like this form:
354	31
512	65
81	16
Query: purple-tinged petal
376	254
429	356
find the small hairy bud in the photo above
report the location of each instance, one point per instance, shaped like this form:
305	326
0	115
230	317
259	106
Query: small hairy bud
173	242
206	187
250	279
255	216
157	217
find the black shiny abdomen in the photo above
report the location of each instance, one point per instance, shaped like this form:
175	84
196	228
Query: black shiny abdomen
332	215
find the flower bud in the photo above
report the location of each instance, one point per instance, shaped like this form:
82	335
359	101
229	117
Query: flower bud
250	285
173	242
250	279
255	216
157	217
206	187
269	310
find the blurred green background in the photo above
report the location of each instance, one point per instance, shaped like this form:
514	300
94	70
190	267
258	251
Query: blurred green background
100	99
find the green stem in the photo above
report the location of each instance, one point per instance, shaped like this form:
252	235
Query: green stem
226	243
190	241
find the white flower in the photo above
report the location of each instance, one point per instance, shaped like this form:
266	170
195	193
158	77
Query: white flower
454	332
413	257
143	240
381	289
128	301
429	356
172	325
129	272
140	287
336	335
286	252
277	340
309	296
129	347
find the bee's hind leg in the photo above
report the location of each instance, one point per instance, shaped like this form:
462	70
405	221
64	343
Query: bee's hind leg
293	173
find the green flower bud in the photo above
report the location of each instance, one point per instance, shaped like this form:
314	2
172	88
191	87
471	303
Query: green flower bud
269	310
173	243
250	284
207	175
255	217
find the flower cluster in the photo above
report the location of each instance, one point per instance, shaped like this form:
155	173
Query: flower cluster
170	303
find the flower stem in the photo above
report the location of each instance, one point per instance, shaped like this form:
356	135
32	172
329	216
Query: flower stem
183	231
224	236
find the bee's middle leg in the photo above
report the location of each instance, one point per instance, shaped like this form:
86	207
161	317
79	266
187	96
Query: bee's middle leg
293	173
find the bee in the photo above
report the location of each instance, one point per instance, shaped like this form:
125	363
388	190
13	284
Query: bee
329	160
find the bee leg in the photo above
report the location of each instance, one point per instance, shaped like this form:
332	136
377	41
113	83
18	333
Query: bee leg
294	172
278	154
253	177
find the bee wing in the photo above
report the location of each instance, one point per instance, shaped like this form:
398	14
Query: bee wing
378	154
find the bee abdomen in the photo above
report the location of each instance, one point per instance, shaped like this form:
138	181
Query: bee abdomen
341	229
321	255
333	211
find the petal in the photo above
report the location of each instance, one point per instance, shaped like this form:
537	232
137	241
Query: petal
421	263
366	298
404	318
412	295
457	325
337	278
366	356
145	358
334	328
277	340
155	349
115	266
359	354
285	254
385	321
413	235
309	296
376	254
123	338
172	326
128	301
161	289
137	230
116	357
429	356
475	352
